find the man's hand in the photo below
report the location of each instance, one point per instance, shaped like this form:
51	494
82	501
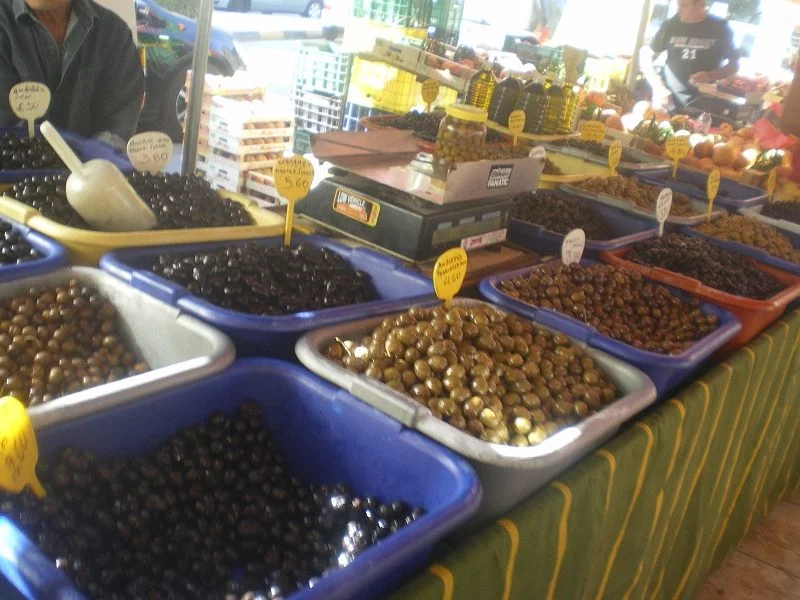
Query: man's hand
702	77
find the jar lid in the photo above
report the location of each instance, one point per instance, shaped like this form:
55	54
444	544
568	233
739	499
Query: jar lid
466	112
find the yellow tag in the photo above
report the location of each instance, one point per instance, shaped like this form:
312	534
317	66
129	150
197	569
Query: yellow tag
593	131
18	450
677	148
614	155
430	91
293	177
516	123
772	182
449	273
29	100
712	189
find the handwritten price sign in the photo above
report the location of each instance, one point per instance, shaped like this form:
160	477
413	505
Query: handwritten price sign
593	131
150	151
293	177
29	100
516	123
572	246
614	155
677	148
18	450
430	92
449	273
663	206
712	189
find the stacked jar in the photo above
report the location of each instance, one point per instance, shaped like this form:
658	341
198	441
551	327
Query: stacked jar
461	137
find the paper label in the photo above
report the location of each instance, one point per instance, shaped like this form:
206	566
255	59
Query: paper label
712	185
18	449
593	131
356	207
677	147
538	152
516	122
614	155
430	91
293	177
29	100
150	151
484	239
663	206
772	182
449	273
572	246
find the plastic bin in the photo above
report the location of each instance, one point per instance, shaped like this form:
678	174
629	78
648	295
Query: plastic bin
273	336
782	224
85	247
754	315
760	255
667	372
732	194
52	255
628	229
178	348
651	163
351	443
507	474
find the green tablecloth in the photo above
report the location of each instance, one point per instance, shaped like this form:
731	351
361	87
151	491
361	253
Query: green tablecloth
659	507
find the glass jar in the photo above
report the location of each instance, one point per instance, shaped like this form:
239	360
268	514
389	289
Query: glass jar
462	135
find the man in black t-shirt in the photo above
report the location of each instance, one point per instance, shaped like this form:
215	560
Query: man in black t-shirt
699	49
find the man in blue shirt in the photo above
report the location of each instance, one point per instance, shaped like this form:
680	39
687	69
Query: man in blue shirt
84	53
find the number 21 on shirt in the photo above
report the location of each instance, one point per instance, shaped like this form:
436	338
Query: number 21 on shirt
689	54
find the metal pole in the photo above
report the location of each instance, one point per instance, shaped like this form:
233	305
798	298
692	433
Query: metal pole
199	67
643	23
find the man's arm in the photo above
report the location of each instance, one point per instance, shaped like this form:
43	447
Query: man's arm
121	109
660	92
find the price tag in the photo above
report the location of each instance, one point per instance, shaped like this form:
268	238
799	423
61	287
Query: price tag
293	177
677	147
516	123
572	246
663	206
449	273
772	182
614	155
593	131
712	189
430	91
29	100
538	152
18	450
150	151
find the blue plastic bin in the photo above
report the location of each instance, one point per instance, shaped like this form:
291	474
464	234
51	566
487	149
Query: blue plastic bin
273	336
757	253
732	194
628	227
85	148
52	255
667	372
344	440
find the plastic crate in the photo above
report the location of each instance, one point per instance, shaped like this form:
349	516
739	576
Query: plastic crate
446	19
627	227
323	67
405	13
355	114
345	441
732	194
52	255
360	34
317	112
754	315
667	372
273	336
302	141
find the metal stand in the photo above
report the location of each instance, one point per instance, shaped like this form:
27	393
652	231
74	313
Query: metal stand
199	67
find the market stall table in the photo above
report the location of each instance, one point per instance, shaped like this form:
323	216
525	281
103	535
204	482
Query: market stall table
651	514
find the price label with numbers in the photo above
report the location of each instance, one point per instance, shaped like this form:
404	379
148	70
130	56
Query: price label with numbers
572	246
18	449
430	91
593	131
712	189
614	155
293	178
449	273
663	206
150	151
772	182
516	122
677	147
29	100
538	152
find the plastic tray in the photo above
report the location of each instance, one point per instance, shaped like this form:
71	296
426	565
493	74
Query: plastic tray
628	227
351	443
667	372
760	255
85	247
627	206
652	163
732	194
782	224
754	315
383	122
507	474
575	170
52	255
177	347
273	336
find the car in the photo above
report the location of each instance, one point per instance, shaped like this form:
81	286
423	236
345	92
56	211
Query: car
308	8
168	40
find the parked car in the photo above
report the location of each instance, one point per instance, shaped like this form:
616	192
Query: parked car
168	39
308	8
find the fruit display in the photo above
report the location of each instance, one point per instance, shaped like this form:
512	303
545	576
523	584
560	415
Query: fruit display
213	512
492	375
424	125
561	215
18	152
60	340
640	194
596	148
269	281
179	202
752	232
713	266
788	211
14	249
618	303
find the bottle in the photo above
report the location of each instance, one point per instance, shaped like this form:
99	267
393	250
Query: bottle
533	100
504	99
705	123
481	88
555	109
570	106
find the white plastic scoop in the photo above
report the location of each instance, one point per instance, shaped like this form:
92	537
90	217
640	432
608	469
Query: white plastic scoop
99	192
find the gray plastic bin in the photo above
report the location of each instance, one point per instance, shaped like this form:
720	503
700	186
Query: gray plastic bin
777	223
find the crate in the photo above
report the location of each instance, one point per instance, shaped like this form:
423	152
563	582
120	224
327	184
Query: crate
446	20
323	67
261	188
274	140
302	141
355	113
317	112
405	13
